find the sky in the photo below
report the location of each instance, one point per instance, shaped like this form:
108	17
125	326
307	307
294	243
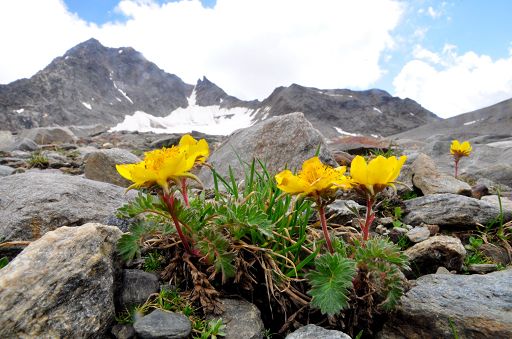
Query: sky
451	57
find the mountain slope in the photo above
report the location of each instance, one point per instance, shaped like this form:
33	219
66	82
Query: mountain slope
93	84
341	111
492	120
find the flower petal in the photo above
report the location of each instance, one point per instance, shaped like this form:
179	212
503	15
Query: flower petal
290	183
359	170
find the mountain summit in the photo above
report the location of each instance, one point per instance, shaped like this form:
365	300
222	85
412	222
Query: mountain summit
93	84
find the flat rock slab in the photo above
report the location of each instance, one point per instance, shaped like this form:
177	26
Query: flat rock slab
451	210
101	165
61	286
163	325
34	203
478	306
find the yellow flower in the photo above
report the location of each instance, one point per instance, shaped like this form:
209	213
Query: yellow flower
199	148
460	150
377	174
314	179
166	164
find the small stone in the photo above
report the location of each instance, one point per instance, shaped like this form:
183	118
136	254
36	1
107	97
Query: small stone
6	170
163	325
242	320
479	190
339	212
442	270
381	229
482	268
495	253
107	145
434	229
123	331
386	221
137	287
396	233
418	234
440	250
316	332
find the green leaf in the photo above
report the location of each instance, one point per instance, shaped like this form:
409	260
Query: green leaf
128	245
3	262
330	283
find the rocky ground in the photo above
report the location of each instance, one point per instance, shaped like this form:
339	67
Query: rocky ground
59	191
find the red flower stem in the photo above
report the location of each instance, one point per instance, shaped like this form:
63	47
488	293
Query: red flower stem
321	212
456	167
369	219
169	202
184	191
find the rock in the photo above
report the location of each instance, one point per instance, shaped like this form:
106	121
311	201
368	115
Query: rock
6	170
477	306
418	234
61	286
343	158
479	190
50	135
101	165
137	286
433	229
123	331
497	254
339	211
396	233
279	142
482	268
88	131
26	144
492	186
380	229
316	332
451	210
499	173
358	144
6	141
162	325
34	203
430	180
425	257
506	203
242	320
442	270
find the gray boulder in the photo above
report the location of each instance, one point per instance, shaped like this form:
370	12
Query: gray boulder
50	135
473	306
6	141
137	286
451	210
34	203
242	319
430	180
26	144
316	332
279	142
418	234
163	325
61	286
101	165
427	256
6	170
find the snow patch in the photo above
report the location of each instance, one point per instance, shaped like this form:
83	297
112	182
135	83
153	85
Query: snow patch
470	122
66	57
375	135
120	51
377	110
87	105
342	132
206	119
126	96
21	110
411	114
118	99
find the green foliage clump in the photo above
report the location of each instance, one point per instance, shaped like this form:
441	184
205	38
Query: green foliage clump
38	160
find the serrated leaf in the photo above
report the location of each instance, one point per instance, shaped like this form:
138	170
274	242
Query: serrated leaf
330	283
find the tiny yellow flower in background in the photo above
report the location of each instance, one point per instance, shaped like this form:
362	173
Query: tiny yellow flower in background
166	164
377	174
315	179
458	149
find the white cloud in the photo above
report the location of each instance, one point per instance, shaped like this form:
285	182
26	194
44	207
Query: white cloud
248	47
448	83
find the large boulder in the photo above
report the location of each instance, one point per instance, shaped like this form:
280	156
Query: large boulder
34	203
440	305
451	210
279	142
101	165
61	286
50	135
430	180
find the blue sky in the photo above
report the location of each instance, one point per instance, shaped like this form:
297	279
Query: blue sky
450	56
